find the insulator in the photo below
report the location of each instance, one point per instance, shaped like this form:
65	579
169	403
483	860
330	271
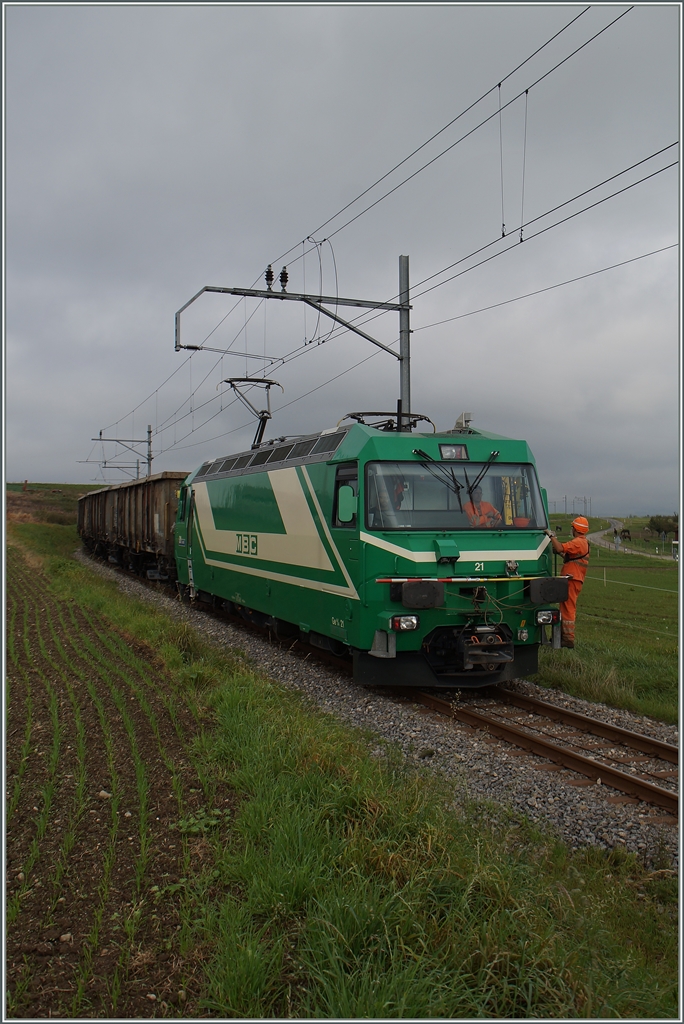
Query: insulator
269	275
283	278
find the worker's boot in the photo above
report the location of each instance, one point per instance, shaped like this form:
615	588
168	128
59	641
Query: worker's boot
567	633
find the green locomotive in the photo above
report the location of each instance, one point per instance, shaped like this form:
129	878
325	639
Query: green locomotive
422	555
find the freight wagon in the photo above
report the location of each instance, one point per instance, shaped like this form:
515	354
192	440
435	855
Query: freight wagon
131	524
423	556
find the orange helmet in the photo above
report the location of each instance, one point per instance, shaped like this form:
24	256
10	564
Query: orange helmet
580	524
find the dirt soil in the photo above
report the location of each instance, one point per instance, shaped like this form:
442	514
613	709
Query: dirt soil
98	781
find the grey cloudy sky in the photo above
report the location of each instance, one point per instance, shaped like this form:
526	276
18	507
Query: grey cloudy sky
151	150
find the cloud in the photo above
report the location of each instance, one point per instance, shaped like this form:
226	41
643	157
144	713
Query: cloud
153	150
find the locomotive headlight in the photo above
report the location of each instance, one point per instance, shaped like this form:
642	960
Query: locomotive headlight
547	617
403	623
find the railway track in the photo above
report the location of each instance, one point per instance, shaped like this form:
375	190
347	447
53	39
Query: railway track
576	742
644	759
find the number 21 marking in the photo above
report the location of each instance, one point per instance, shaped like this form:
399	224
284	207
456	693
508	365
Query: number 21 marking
479	567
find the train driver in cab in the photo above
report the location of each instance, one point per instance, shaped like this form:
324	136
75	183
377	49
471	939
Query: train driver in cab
479	512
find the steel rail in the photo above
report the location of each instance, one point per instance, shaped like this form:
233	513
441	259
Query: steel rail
592	769
646	744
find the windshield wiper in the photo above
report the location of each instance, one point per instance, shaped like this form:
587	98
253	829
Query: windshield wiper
446	476
481	475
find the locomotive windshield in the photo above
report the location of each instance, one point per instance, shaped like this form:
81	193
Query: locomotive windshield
439	496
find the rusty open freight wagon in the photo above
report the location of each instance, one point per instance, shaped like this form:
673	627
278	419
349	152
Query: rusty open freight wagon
131	523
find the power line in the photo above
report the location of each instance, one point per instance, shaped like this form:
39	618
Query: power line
547	213
312	234
296	352
140	404
543	231
336	331
549	288
496	113
365	318
436	134
361	362
318	387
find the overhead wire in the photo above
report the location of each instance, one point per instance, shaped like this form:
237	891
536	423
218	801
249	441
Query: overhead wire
366	318
539	291
477	126
549	227
549	288
209	372
336	330
484	309
318	387
437	133
361	362
522	189
151	395
503	225
298	351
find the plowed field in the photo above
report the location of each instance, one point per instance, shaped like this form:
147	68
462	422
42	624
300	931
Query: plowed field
99	793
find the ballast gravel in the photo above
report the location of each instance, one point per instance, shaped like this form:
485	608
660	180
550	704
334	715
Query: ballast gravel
480	766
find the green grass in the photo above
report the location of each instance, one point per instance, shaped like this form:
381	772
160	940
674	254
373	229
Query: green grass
626	637
347	886
374	898
47	538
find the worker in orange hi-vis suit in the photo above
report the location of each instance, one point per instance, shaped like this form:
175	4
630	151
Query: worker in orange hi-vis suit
575	554
479	512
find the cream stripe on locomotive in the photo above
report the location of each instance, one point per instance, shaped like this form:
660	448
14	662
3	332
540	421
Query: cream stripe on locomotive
489	555
323	523
301	545
279	577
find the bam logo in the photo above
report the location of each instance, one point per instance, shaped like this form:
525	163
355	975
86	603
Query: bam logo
246	544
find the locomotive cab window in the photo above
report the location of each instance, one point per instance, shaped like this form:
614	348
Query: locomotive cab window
431	496
345	506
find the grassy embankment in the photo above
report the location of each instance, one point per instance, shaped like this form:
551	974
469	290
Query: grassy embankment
350	886
626	635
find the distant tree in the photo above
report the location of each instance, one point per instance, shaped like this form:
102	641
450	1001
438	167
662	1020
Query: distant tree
664	524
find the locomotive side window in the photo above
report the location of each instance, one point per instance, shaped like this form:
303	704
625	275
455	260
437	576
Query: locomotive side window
431	496
182	502
346	496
